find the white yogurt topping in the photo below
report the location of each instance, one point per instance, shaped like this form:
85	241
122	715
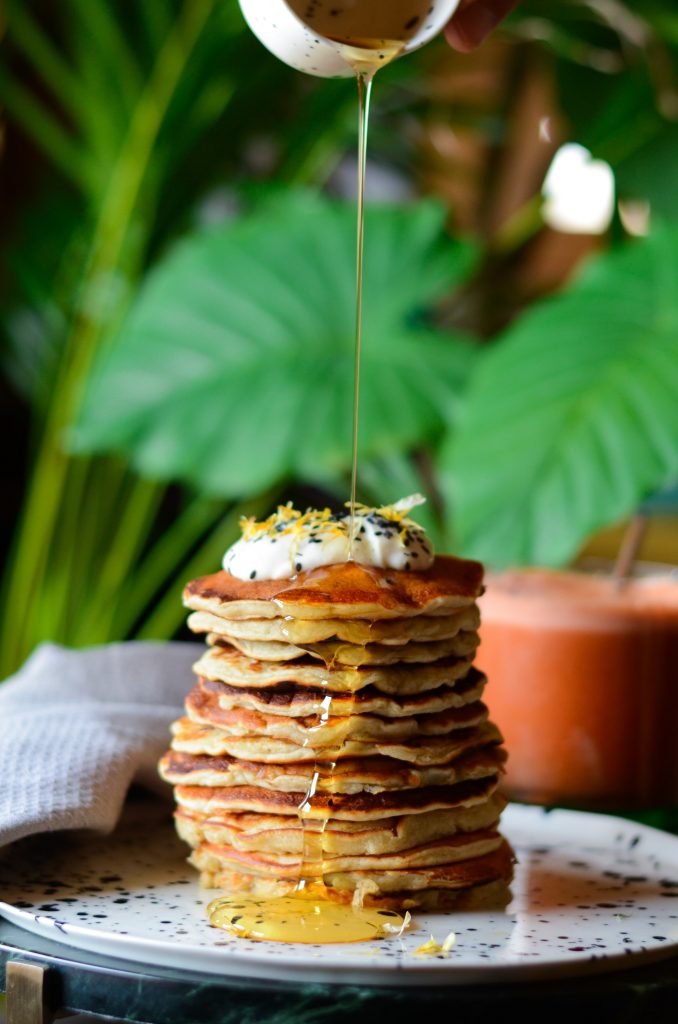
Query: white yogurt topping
289	542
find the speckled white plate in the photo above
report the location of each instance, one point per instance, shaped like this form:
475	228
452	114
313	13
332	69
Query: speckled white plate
591	893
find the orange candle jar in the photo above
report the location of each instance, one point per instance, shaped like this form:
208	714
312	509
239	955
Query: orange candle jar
583	682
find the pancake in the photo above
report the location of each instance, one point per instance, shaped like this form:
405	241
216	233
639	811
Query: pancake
493	894
228	665
338	806
335	652
277	833
449	850
355	631
319	730
298	701
349	775
405	887
348	590
419	750
422	752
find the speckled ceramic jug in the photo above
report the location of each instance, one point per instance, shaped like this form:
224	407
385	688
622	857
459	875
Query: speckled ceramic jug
311	35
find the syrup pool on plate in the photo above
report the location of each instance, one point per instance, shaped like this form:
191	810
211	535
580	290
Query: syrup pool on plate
304	916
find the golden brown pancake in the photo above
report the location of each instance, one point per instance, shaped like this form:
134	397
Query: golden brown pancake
230	666
349	775
419	750
449	850
348	590
474	896
355	631
422	752
290	699
413	887
285	834
316	730
338	806
335	652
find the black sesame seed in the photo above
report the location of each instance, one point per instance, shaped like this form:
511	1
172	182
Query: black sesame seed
253	574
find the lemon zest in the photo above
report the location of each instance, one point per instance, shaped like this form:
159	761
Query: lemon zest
287	520
433	948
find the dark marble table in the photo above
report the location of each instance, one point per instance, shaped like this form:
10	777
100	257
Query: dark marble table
96	984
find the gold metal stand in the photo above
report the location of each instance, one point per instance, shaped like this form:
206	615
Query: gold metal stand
25	994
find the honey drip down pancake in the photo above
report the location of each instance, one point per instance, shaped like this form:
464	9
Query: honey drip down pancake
336	733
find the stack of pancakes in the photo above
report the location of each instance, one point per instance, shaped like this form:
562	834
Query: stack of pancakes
337	733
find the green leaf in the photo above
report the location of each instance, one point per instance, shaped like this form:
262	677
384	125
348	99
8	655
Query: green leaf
384	481
572	416
644	174
46	131
235	368
25	30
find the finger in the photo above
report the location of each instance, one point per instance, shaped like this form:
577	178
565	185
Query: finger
474	22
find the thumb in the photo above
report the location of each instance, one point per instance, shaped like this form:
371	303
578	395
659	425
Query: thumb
474	21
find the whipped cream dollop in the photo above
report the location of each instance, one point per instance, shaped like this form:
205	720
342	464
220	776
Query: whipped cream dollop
289	541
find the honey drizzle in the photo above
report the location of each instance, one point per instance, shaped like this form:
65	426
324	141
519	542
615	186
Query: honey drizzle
307	915
302	917
313	850
364	80
354	922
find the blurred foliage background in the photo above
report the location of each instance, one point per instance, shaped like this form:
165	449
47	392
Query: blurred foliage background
177	296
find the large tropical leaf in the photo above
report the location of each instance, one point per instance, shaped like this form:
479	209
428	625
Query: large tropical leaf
235	368
572	417
645	174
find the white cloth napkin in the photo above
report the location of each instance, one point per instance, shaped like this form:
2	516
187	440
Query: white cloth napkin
77	727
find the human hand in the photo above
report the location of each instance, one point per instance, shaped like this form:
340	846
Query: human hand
474	20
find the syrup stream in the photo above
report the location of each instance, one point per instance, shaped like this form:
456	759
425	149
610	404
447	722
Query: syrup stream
364	80
307	915
313	851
